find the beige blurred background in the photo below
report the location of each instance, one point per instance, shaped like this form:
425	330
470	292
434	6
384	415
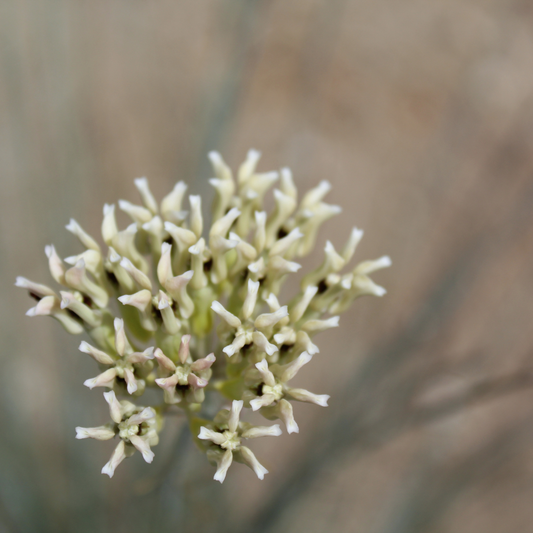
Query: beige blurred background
421	115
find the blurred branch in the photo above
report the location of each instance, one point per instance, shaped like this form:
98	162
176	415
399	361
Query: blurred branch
483	391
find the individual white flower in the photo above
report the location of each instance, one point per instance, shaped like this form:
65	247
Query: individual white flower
269	390
137	428
226	434
250	329
124	365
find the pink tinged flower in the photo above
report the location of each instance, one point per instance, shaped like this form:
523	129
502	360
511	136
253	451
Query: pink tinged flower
35	288
253	463
56	265
203	364
98	355
195	382
121	341
69	301
99	433
222	466
169	384
116	458
131	382
164	362
184	351
105	379
141	357
50	306
76	278
146	414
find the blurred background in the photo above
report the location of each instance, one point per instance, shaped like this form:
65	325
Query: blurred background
421	116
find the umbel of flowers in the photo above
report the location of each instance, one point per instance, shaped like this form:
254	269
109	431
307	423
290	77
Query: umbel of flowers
184	289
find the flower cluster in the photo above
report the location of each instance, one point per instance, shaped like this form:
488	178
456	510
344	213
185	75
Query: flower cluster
173	279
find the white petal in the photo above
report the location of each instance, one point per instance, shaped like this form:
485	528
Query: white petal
143	447
316	326
204	363
262	431
36	288
116	458
183	352
105	379
251	298
236	408
231	319
213	436
261	342
146	414
115	408
269	319
97	355
164	361
99	433
141	300
146	195
253	463
223	465
268	377
367	267
262	401
130	381
303	395
290	370
287	416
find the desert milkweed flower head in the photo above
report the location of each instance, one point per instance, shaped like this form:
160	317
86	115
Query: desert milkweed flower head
202	315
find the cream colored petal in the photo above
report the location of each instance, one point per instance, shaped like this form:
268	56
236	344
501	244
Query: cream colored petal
251	460
116	458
